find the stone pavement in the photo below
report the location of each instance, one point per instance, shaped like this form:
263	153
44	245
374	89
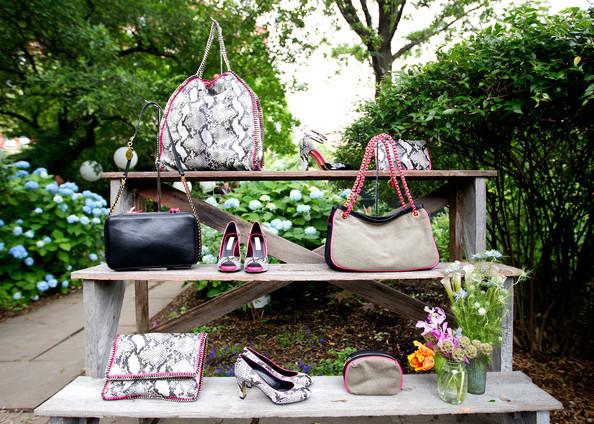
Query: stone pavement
42	351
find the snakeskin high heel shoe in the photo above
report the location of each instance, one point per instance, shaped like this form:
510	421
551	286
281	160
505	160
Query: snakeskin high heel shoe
250	374
298	378
256	257
307	149
229	253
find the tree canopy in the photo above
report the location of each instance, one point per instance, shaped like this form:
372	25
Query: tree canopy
73	75
517	97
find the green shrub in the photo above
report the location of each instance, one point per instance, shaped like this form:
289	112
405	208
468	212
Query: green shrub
333	365
46	230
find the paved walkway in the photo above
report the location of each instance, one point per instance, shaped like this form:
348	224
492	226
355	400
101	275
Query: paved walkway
43	351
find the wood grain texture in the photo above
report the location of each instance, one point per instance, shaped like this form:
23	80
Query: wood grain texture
474	215
218	219
506	393
102	304
277	272
141	302
297	175
220	305
503	355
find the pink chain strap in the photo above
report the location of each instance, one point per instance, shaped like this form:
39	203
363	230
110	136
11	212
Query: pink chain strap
387	141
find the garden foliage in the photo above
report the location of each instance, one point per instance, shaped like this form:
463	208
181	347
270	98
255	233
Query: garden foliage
516	97
46	230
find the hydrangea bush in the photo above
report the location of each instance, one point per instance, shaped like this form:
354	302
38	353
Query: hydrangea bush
46	230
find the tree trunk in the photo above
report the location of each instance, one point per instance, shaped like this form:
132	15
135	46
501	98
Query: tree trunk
382	65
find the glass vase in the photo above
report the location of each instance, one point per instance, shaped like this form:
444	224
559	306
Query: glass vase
452	382
477	376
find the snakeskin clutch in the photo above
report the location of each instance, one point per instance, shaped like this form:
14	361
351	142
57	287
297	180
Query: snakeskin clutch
155	365
413	154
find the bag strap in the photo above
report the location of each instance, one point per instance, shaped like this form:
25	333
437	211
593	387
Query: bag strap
215	27
370	150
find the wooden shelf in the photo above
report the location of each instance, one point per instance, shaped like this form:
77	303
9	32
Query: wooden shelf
277	272
297	175
507	392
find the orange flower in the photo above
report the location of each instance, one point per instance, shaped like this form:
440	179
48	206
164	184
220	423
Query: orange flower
421	359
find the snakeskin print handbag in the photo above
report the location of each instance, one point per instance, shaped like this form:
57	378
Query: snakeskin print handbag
155	365
217	124
414	154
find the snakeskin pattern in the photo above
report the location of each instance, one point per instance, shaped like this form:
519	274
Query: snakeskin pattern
263	263
217	125
229	260
155	365
414	154
244	373
299	379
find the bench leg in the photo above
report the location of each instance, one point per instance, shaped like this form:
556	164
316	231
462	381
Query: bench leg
103	303
71	420
532	417
141	299
503	355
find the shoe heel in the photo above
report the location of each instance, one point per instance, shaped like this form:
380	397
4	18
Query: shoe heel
243	386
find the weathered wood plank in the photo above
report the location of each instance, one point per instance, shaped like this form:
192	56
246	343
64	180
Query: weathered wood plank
298	175
220	305
386	297
508	392
141	301
276	272
456	203
102	305
503	355
218	219
474	216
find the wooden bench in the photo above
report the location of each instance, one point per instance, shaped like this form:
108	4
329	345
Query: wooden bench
103	291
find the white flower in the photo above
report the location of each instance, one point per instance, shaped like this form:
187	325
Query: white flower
477	305
212	201
295	195
277	224
231	204
209	259
494	254
254	205
310	231
303	208
271	206
345	192
482	311
318	194
265	198
286	225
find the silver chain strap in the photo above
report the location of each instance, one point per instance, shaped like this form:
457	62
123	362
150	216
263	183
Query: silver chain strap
215	27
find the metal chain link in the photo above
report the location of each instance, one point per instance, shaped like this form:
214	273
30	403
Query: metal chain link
214	27
117	198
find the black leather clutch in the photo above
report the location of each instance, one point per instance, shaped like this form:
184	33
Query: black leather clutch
152	239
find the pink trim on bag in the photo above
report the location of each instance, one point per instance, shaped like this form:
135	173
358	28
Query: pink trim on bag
381	270
255	113
371	356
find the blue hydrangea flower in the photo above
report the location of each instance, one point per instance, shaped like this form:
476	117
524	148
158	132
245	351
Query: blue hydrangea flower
40	244
96	221
17	295
65	284
231	204
316	194
277	224
70	186
19	222
2	246
87	209
84	220
38	211
47	239
205	250
53	283
460	294
42	172
58	199
76	196
268	226
29	261
52	188
345	192
295	195
22	164
2	223
63	207
71	219
31	185
93	256
303	208
65	191
21	173
255	205
49	277
310	231
286	225
17	231
69	267
209	259
29	234
42	286
97	212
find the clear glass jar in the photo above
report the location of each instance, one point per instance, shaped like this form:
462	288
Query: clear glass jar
477	375
452	382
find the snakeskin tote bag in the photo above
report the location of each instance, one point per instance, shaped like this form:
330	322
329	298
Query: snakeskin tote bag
217	124
401	241
155	365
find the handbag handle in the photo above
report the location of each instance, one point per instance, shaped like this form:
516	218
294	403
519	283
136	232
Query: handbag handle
387	141
129	155
215	27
